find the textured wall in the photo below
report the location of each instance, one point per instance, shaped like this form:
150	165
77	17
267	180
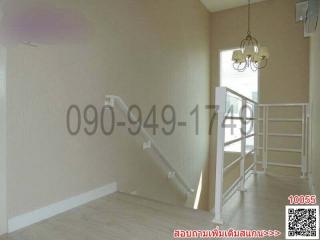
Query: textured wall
147	52
3	162
315	109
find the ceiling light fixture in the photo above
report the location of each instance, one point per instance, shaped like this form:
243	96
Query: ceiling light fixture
251	54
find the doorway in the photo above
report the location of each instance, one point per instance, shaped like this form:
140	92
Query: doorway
247	84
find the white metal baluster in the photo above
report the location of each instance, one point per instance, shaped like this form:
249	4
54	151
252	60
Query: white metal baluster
264	157
243	143
303	145
267	139
256	136
308	138
221	94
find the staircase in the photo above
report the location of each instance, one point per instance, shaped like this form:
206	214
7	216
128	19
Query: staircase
149	145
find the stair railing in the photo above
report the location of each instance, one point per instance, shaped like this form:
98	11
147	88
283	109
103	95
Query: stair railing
149	143
303	119
221	195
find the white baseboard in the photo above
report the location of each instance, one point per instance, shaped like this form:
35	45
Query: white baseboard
38	215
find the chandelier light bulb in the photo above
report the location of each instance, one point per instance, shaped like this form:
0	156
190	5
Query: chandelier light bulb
238	56
256	57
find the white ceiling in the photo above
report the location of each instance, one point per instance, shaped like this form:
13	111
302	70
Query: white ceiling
218	5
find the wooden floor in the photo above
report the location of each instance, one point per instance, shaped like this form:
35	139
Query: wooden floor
119	216
262	206
122	217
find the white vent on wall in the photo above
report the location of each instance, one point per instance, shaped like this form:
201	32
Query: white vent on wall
308	12
301	11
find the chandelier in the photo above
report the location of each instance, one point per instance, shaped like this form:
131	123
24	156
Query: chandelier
251	54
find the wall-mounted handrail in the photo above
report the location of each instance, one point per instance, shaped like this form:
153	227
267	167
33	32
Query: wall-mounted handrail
149	143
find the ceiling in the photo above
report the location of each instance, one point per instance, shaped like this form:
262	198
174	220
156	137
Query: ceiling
218	5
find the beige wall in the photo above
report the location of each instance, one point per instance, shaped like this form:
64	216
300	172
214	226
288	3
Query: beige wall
147	52
3	162
273	23
315	109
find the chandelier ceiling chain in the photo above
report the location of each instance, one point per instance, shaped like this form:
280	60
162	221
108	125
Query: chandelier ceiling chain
251	54
249	17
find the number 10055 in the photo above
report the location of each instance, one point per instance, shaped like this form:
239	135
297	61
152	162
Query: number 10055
302	199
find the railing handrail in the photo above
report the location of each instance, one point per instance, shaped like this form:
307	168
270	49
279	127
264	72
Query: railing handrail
239	95
283	104
221	195
149	142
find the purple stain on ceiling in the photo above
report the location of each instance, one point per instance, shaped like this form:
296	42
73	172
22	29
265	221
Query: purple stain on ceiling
36	22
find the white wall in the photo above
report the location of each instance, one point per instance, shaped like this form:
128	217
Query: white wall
147	52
